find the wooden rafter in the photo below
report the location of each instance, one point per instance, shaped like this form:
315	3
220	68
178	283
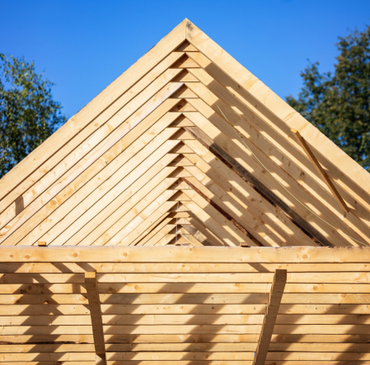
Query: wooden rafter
262	100
96	317
272	310
217	151
259	171
187	116
319	168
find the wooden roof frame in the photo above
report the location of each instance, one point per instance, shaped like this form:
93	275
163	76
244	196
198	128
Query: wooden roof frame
186	30
203	175
259	103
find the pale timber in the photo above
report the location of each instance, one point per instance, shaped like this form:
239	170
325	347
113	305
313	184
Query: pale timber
277	290
96	317
186	150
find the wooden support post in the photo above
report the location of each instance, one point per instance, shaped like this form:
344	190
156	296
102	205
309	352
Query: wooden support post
321	171
272	310
96	317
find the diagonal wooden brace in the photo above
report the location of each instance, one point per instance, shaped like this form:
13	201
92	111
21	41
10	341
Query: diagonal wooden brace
96	317
321	171
277	290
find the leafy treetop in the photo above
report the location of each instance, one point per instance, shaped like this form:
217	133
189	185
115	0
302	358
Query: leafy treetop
338	103
28	113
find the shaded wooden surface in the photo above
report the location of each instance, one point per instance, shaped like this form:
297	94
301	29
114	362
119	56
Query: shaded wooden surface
181	137
183	304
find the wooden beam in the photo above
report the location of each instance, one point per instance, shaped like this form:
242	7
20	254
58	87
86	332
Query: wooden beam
319	168
74	254
272	310
96	317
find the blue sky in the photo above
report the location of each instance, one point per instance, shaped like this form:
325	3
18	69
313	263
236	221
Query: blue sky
84	45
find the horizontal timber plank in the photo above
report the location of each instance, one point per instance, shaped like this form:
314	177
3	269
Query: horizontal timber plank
48	338
190	287
183	329
327	288
323	319
120	309
50	363
132	319
135	339
181	254
170	347
317	356
185	298
132	330
326	279
170	267
322	329
315	362
184	288
324	309
182	338
165	356
135	362
182	319
188	347
136	299
352	339
43	299
320	347
326	298
78	309
186	329
67	356
45	330
188	338
198	362
45	320
61	347
181	362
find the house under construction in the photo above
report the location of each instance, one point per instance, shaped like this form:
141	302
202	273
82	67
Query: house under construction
186	216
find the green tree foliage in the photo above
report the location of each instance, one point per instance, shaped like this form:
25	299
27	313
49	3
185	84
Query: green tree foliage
338	103
28	114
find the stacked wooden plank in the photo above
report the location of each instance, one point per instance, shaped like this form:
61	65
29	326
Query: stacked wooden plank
179	150
184	305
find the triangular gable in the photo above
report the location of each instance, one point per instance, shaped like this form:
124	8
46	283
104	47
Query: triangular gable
176	151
